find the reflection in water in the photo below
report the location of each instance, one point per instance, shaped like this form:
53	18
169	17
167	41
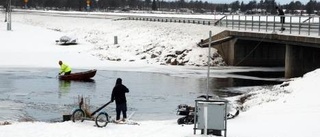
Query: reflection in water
64	87
220	86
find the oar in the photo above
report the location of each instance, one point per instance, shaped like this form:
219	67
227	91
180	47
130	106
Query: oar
58	75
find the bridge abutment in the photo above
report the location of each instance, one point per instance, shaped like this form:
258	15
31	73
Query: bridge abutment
297	54
300	60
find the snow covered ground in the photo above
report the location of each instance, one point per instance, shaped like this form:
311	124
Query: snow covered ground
138	41
287	110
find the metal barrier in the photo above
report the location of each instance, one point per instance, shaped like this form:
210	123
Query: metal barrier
301	25
175	20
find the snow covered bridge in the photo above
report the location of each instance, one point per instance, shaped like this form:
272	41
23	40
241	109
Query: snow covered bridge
298	54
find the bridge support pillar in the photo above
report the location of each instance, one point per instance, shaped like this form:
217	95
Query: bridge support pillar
298	54
227	51
300	60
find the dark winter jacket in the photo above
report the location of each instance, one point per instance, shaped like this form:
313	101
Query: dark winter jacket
280	11
118	92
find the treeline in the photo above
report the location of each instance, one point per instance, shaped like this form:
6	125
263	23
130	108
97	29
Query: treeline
261	6
111	4
268	6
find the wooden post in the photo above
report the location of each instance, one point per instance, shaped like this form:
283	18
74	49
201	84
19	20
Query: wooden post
115	40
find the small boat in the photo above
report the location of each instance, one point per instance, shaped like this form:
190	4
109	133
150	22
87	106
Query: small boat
81	76
67	40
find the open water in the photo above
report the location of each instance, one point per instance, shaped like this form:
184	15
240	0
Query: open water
37	94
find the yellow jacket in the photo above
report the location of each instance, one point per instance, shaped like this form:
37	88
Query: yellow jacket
64	68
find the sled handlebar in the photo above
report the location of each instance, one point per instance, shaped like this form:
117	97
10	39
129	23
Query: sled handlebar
101	108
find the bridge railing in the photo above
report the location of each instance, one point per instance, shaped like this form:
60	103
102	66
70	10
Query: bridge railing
301	25
171	19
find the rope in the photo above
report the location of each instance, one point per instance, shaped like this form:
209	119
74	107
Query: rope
223	53
251	50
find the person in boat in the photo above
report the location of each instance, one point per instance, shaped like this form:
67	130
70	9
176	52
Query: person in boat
119	95
64	68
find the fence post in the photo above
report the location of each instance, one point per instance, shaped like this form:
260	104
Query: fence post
239	23
267	23
115	40
319	27
226	21
259	23
252	23
232	21
290	23
299	24
281	23
245	22
274	23
309	26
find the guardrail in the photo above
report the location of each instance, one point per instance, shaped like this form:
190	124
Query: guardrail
301	25
170	19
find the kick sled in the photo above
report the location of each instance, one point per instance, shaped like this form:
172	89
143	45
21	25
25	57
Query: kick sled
80	114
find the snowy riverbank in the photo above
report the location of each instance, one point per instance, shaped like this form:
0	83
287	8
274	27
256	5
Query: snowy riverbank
290	109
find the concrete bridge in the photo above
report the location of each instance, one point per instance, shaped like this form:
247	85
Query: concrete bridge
252	40
298	54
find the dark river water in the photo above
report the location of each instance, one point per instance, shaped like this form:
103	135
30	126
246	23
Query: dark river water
37	94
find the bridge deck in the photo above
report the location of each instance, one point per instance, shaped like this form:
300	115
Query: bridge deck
264	37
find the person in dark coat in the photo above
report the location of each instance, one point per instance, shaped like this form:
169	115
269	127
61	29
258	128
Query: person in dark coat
282	18
119	95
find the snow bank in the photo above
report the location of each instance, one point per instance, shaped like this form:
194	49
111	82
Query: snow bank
138	41
70	129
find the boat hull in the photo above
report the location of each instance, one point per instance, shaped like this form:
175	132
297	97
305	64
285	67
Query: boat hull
81	76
